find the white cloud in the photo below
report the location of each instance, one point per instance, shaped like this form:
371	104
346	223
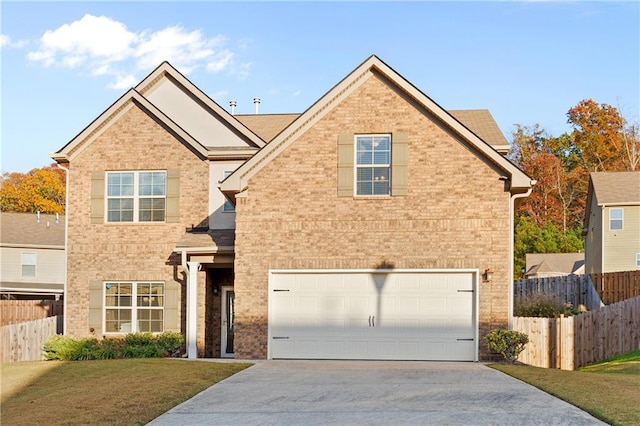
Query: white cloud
101	46
5	41
296	93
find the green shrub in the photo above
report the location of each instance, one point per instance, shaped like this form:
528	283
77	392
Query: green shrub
170	342
507	343
543	306
133	345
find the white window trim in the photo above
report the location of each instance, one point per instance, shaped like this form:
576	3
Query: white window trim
356	166
24	263
134	305
621	219
226	203
136	196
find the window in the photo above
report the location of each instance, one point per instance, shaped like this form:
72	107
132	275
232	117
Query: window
228	207
136	196
373	165
28	261
615	219
132	307
637	259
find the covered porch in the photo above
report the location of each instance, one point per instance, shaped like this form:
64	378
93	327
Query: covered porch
207	258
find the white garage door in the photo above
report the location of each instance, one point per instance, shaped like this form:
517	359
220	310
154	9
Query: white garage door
399	315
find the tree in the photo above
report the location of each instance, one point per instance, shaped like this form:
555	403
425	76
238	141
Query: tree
40	190
603	138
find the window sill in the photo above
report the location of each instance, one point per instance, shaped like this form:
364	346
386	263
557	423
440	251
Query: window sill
372	197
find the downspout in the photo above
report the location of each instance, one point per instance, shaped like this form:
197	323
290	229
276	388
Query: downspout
66	246
512	225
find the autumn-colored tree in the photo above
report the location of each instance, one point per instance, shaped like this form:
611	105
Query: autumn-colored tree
603	138
40	190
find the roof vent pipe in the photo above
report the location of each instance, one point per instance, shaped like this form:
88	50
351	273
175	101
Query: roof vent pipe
38	216
233	105
256	102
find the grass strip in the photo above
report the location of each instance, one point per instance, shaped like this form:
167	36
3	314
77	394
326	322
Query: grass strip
113	392
609	391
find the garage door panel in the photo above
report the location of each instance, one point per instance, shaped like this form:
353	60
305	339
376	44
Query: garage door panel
409	316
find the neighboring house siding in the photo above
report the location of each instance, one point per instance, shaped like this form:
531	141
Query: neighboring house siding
621	245
49	265
593	242
454	214
130	251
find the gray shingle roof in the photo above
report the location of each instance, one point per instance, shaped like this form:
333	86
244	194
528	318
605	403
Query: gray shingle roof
479	121
24	229
616	187
267	126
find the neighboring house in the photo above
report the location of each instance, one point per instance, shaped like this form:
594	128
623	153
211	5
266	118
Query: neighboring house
612	222
542	265
361	228
33	256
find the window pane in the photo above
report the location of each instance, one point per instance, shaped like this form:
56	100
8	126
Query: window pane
365	157
28	270
119	184
152	209
615	213
373	181
381	143
152	183
381	157
365	143
120	210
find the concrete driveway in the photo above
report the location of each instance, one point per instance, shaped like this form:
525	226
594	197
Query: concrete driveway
372	392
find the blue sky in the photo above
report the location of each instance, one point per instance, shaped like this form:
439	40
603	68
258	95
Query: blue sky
63	63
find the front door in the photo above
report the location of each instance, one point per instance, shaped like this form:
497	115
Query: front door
226	348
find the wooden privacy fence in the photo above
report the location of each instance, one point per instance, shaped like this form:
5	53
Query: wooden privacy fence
573	342
616	286
17	311
24	341
574	289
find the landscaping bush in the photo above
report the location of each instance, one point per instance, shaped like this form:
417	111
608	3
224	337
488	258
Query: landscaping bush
133	345
543	306
507	343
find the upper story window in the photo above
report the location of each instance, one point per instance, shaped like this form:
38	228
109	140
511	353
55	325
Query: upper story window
616	218
132	307
373	164
227	207
637	259
28	262
138	196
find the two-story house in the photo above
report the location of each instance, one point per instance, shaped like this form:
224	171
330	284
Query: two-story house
612	222
374	225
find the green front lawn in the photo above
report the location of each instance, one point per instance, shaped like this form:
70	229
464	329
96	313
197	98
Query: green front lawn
609	390
113	392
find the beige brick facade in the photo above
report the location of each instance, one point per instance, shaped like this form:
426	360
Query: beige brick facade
454	216
135	141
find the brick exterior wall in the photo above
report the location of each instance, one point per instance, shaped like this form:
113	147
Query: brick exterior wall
141	251
454	216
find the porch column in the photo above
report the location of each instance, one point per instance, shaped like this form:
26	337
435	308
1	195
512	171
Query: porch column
192	315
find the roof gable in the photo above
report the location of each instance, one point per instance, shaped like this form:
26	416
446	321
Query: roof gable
238	181
167	95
